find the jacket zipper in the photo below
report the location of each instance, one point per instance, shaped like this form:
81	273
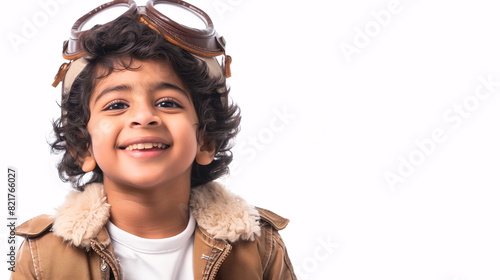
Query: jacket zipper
107	258
220	260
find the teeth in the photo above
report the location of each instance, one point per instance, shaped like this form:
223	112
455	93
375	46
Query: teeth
142	146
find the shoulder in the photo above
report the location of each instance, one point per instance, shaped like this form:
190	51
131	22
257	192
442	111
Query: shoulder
35	227
276	263
40	237
272	219
227	216
266	254
42	253
269	238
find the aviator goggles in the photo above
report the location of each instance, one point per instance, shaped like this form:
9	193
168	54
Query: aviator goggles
204	44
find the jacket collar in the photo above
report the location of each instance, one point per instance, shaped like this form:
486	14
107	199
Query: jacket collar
217	211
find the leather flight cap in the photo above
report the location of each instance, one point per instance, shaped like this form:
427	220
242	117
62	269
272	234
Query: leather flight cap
205	44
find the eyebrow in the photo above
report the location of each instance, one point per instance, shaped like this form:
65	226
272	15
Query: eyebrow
156	87
115	88
165	85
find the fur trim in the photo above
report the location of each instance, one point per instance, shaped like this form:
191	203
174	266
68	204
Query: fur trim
221	213
82	215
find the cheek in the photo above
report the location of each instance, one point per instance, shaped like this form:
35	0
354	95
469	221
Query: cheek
185	133
100	131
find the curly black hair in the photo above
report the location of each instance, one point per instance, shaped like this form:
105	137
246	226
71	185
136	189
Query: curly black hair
116	45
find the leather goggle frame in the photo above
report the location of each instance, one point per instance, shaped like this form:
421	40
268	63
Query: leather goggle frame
205	43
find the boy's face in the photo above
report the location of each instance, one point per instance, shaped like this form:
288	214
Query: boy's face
143	127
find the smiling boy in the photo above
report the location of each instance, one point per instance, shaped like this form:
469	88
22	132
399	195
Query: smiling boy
145	130
147	141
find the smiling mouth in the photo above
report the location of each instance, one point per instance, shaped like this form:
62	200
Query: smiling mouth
145	146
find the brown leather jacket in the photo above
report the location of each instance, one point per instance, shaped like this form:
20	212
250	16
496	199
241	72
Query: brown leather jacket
243	243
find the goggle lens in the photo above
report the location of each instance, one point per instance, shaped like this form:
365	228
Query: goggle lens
181	15
107	15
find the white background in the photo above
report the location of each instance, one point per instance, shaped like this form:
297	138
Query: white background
321	128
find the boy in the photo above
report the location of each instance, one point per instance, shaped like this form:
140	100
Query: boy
145	130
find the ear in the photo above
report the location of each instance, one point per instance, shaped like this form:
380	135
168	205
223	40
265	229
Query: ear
87	162
205	154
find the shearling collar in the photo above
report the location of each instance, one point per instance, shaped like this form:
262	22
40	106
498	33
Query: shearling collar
222	214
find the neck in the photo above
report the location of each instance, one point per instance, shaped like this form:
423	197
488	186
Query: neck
152	212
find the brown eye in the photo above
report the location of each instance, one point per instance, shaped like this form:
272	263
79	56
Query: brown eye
168	103
117	106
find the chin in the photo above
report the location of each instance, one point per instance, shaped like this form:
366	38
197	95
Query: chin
148	181
144	182
149	178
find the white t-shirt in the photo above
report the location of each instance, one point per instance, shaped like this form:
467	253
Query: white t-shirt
165	259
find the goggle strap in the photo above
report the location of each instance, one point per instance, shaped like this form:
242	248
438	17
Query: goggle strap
227	65
60	74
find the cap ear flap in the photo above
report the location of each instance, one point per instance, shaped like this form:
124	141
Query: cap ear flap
72	71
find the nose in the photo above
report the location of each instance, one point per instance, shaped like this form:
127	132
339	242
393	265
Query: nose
144	115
